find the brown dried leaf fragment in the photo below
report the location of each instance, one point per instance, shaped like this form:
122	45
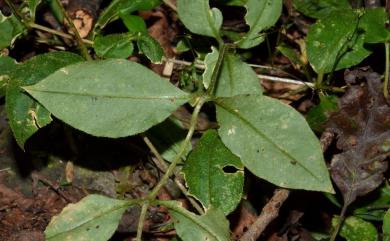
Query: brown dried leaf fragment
362	125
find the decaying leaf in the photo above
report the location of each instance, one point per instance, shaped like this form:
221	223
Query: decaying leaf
362	125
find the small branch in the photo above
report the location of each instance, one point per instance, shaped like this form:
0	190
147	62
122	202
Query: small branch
83	48
170	4
340	223
386	81
5	169
269	213
141	221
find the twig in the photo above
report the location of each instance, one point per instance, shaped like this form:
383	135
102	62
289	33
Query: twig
386	74
269	213
261	76
5	169
170	4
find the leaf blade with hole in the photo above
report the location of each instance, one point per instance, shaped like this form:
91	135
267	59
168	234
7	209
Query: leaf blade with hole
95	217
197	16
273	141
206	178
110	98
261	14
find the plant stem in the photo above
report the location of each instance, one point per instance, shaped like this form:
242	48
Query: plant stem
181	151
55	32
216	71
387	62
340	223
83	48
17	13
170	4
141	221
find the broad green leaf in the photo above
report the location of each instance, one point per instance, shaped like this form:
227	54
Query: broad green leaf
334	43
111	13
32	7
368	211
209	63
356	229
260	15
207	175
7	66
321	8
10	29
374	22
168	137
386	226
111	98
150	48
95	217
236	78
213	226
114	45
197	16
273	141
26	115
135	24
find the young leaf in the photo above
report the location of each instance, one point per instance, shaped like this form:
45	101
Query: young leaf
133	23
26	115
322	8
197	16
209	62
386	226
150	48
363	131
111	13
273	141
335	43
236	78
260	15
32	7
356	229
213	226
111	98
95	217
206	175
374	24
10	29
114	45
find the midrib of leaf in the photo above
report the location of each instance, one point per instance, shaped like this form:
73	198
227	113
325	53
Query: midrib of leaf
207	9
107	96
129	203
189	215
266	138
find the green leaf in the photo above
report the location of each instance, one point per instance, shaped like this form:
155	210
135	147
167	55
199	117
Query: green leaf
236	78
10	30
168	137
273	141
150	48
95	218
213	226
321	8
335	43
114	45
32	7
197	16
111	98
356	229
7	67
260	15
25	115
207	175
369	210
291	54
135	24
386	226
111	13
209	63
318	115
374	22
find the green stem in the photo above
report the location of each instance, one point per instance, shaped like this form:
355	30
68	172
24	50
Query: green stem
181	151
141	221
17	13
216	71
386	75
83	48
339	224
319	80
